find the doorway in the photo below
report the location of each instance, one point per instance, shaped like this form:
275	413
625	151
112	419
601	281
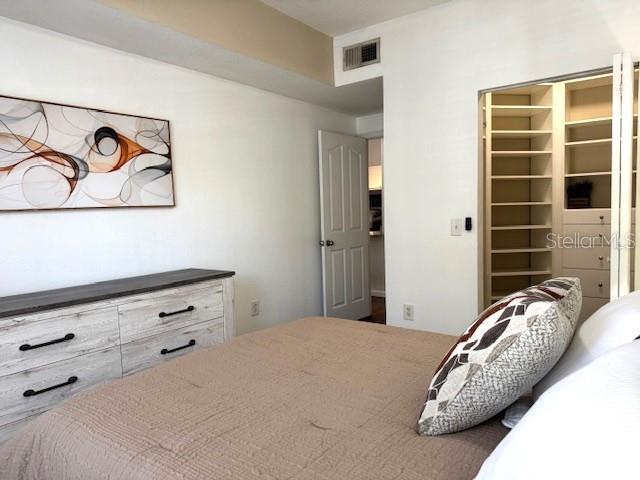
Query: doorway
376	231
352	227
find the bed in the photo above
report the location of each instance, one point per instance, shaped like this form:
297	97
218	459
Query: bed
319	398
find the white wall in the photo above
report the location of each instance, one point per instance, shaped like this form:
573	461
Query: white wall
433	64
370	126
246	180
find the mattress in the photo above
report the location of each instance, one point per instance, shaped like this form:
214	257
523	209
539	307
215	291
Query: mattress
319	398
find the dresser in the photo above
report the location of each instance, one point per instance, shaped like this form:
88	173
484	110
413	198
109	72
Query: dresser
56	343
587	255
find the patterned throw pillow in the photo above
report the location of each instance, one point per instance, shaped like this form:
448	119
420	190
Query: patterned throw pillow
506	351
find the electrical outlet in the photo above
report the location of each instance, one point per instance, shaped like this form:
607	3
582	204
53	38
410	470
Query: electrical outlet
255	308
407	312
456	227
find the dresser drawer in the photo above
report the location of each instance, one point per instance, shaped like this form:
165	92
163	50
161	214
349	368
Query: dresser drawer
597	258
590	305
10	429
27	345
586	235
146	352
163	312
594	216
595	283
48	385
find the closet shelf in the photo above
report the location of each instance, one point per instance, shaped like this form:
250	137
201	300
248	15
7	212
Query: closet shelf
519	177
519	133
587	174
588	122
525	90
521	250
518	204
519	273
596	141
519	153
500	295
591	122
592	82
521	227
593	174
518	110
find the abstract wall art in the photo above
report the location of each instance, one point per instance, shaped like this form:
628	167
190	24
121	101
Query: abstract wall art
59	157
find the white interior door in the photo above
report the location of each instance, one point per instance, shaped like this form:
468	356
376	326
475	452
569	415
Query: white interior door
344	210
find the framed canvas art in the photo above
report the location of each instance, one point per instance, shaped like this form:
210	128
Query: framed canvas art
62	157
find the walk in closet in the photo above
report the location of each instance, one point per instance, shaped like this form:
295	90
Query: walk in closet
559	166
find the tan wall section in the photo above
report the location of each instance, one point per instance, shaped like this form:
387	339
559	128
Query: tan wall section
248	27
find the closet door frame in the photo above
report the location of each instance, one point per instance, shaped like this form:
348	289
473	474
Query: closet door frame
486	220
636	277
621	174
622	229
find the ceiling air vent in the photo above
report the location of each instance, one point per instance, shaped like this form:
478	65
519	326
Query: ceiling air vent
360	55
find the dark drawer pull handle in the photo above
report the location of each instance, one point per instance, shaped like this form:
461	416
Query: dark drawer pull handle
190	308
66	338
166	351
31	393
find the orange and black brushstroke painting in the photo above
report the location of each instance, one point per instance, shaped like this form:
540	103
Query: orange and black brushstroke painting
57	156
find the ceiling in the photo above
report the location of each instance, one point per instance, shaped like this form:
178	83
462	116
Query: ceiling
95	22
335	17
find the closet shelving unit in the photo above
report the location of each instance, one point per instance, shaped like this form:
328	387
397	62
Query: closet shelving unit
587	157
587	154
518	188
539	140
588	135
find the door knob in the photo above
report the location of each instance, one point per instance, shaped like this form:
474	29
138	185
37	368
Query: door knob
330	243
600	257
600	285
322	243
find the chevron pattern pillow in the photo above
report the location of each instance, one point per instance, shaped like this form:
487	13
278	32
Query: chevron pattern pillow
506	351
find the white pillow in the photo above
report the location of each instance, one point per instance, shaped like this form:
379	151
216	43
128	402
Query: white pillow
585	427
516	411
615	324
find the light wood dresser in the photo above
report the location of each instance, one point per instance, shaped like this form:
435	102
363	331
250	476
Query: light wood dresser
58	342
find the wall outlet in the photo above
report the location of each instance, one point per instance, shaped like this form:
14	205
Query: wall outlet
456	227
255	308
407	312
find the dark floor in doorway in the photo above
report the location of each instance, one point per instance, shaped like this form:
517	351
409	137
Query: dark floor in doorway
378	311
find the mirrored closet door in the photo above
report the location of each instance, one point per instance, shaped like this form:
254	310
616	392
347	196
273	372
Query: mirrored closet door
559	183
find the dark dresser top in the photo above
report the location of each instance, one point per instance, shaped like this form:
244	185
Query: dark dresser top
94	292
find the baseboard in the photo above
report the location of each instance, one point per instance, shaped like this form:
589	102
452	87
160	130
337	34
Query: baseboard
377	293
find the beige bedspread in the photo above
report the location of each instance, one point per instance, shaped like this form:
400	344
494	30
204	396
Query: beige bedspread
319	398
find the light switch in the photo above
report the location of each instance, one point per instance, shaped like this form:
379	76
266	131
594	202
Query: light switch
456	226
